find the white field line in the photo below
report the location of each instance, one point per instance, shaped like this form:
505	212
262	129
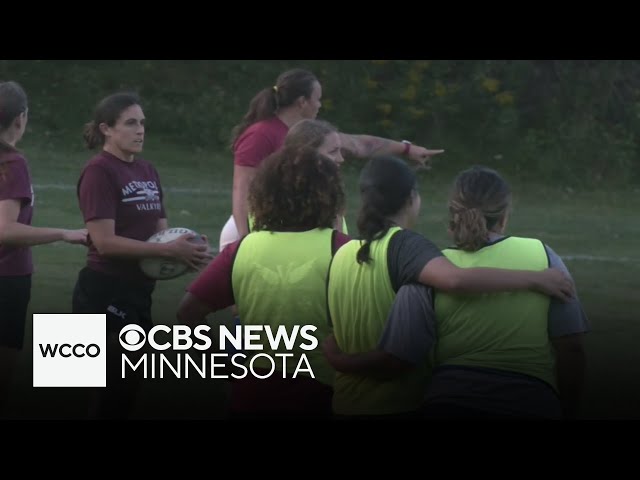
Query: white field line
189	191
224	191
597	258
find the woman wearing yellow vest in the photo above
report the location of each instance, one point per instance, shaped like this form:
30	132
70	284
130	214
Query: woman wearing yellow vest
323	137
502	356
366	274
276	276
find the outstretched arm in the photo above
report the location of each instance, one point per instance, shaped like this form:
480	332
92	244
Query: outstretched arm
14	233
364	146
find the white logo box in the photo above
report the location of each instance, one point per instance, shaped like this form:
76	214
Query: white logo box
69	350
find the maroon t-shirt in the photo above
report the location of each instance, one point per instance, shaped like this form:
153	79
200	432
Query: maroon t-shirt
15	184
214	286
130	194
259	141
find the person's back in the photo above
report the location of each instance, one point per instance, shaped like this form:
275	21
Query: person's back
506	331
382	318
259	141
363	295
276	276
494	355
363	280
279	279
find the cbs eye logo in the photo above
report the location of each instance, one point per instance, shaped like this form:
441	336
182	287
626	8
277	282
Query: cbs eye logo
132	337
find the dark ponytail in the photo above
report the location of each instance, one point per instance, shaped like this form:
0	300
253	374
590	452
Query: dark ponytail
261	107
289	86
107	111
372	224
13	102
480	199
386	184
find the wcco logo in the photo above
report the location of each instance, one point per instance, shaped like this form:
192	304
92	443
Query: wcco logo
78	350
69	350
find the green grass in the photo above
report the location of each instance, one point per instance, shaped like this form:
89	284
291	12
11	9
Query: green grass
594	223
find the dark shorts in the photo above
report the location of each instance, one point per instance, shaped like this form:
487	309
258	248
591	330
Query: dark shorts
277	397
464	391
123	302
15	293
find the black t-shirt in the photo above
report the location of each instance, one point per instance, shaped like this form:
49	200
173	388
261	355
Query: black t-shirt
407	255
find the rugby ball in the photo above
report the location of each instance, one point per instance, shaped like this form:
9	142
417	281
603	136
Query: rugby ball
167	268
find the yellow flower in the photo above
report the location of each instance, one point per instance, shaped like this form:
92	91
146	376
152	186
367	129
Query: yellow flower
410	93
416	112
505	98
491	85
371	84
327	104
440	89
384	108
415	77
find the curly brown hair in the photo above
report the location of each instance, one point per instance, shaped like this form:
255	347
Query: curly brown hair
296	189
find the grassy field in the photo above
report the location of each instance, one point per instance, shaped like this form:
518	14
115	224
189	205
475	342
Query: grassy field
597	232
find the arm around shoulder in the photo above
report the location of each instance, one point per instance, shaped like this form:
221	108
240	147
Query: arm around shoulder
444	275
